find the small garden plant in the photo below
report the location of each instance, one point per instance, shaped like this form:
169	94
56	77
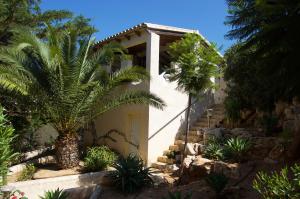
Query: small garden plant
16	194
56	194
236	148
214	149
130	174
230	149
27	173
98	158
284	184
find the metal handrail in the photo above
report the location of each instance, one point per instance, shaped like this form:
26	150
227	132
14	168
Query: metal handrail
171	120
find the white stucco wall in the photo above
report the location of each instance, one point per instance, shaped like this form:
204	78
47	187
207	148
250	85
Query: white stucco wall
158	127
119	118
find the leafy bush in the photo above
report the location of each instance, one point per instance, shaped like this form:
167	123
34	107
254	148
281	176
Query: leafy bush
214	150
98	158
16	194
6	152
178	195
237	147
57	194
279	185
27	173
232	109
130	175
217	182
268	123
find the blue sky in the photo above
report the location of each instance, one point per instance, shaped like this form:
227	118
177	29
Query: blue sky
112	16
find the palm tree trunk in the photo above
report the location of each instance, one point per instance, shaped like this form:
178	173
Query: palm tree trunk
186	137
67	150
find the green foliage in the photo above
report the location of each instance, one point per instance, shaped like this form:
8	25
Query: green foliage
98	158
56	194
27	173
178	195
67	80
26	13
268	123
263	66
237	147
6	152
130	175
214	150
232	109
217	182
279	185
197	63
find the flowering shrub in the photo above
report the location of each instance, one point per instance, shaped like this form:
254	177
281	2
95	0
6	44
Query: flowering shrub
18	195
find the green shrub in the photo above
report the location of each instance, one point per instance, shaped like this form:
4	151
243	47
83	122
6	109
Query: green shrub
6	152
130	174
57	194
214	149
98	158
178	195
236	148
217	182
268	123
27	173
279	185
232	109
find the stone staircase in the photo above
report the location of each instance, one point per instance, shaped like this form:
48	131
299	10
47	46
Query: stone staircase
195	135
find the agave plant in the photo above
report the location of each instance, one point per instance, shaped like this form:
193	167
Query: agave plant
56	194
237	147
130	174
67	80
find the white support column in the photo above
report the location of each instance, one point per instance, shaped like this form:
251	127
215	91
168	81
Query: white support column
152	54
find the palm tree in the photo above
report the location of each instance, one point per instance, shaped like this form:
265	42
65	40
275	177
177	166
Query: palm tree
69	84
197	62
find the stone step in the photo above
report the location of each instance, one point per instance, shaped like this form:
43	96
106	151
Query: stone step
159	165
179	142
174	148
164	166
166	152
165	159
196	132
215	118
191	138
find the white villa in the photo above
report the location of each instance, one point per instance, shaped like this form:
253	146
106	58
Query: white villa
149	131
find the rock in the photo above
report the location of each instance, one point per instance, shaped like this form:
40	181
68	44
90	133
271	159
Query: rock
270	161
276	152
241	132
187	161
97	192
288	113
200	167
230	170
210	133
233	192
190	149
201	148
106	181
171	168
261	147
